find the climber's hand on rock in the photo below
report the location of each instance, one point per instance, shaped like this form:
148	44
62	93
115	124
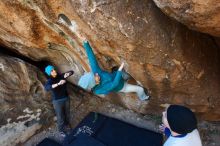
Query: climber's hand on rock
121	67
83	38
85	41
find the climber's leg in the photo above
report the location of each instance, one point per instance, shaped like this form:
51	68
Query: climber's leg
67	112
59	107
135	88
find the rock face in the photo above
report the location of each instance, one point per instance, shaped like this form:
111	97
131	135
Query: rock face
200	15
21	91
23	101
177	65
14	133
30	32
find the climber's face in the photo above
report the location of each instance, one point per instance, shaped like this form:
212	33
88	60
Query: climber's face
97	78
53	73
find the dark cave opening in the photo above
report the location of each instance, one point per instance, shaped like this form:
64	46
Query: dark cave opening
41	64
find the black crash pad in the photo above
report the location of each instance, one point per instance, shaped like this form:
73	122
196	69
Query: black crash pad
48	142
99	130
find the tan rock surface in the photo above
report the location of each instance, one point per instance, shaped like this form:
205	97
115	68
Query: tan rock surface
176	64
200	15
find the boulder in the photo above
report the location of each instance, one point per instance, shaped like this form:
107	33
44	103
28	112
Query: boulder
200	15
176	64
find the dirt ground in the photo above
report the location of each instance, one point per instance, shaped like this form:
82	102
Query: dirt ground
82	105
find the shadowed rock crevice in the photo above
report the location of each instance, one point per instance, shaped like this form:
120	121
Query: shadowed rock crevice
41	64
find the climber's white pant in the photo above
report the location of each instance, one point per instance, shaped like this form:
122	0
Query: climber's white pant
134	88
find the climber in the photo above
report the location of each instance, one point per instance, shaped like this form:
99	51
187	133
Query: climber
180	127
60	99
103	82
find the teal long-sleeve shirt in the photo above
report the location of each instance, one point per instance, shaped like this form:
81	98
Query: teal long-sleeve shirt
110	82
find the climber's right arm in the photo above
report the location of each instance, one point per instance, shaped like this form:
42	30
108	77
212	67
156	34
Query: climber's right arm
49	86
92	59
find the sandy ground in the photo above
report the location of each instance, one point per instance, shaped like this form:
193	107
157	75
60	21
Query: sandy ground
82	105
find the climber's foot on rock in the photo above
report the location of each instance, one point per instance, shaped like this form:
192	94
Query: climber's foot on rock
147	94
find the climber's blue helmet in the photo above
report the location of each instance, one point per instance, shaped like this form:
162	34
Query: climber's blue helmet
49	69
